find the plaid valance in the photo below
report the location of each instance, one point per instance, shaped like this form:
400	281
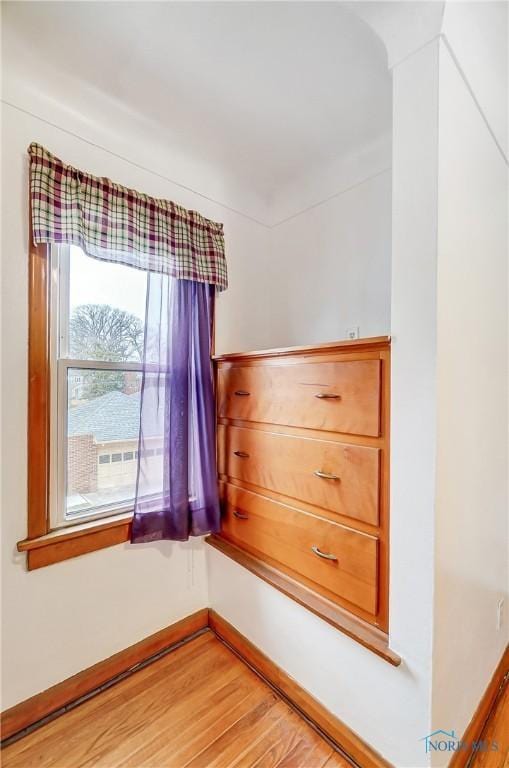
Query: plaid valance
117	224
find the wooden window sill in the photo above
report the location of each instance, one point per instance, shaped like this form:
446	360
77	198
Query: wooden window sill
369	636
65	543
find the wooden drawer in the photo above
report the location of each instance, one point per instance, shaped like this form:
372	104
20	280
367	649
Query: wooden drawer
288	536
287	465
289	395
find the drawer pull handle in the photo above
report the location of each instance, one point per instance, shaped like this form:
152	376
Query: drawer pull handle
241	454
325	555
327	396
239	515
325	475
242	393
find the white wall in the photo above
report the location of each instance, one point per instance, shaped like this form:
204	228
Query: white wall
58	620
472	513
331	267
329	179
242	312
477	37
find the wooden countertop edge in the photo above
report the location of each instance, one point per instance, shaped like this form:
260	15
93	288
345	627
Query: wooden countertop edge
369	636
375	342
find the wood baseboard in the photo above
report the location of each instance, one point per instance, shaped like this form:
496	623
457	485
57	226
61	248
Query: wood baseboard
474	729
348	741
41	705
54	699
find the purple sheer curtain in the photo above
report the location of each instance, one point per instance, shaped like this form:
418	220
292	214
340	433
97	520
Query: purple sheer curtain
176	490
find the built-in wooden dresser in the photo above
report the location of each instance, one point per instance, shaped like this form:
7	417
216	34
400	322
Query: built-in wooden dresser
303	462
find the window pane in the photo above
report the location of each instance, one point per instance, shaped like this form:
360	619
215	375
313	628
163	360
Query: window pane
102	425
106	309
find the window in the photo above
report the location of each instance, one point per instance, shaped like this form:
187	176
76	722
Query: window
78	499
85	335
96	328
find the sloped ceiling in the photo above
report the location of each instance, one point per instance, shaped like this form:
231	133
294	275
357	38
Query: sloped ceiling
266	90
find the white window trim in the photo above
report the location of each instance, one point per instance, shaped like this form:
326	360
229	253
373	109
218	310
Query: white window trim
60	363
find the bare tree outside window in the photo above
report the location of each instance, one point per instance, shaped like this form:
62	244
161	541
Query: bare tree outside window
103	332
99	338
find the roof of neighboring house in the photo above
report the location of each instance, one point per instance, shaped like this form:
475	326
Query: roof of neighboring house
114	416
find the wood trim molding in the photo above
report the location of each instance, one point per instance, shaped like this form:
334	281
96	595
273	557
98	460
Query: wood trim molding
473	731
41	705
369	636
38	390
348	741
354	345
65	543
45	547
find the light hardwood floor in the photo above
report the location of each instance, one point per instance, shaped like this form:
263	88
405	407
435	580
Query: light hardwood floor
496	729
198	707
